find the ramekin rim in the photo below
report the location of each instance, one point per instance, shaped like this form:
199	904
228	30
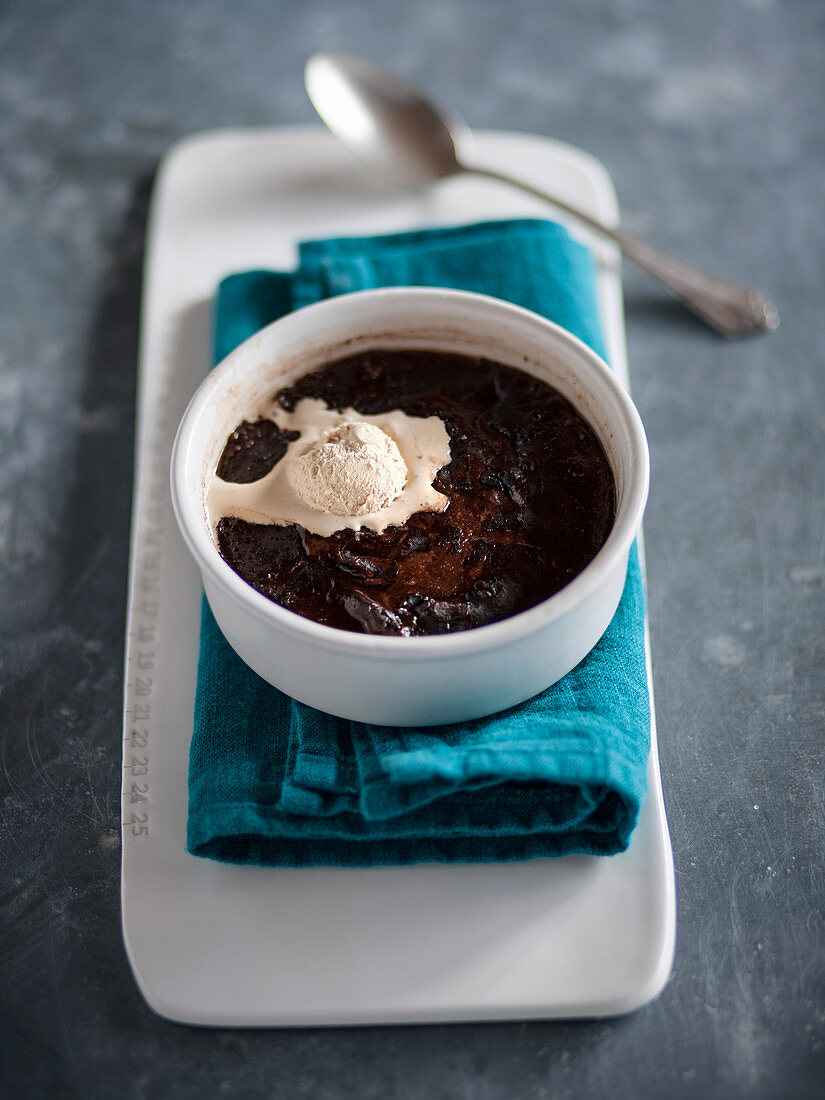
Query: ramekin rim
460	643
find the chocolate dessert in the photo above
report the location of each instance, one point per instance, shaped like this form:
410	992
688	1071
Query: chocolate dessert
530	499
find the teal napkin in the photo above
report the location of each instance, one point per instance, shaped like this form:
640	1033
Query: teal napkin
274	782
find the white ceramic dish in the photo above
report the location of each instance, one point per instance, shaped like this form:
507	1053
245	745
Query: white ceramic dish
411	681
220	945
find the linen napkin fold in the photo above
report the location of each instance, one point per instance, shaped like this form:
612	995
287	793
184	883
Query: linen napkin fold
275	782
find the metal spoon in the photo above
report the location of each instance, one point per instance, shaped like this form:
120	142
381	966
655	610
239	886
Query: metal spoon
402	137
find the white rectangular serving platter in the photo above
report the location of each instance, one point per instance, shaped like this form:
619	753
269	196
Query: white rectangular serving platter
215	944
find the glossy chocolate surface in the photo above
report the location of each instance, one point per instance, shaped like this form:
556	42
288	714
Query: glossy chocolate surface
531	501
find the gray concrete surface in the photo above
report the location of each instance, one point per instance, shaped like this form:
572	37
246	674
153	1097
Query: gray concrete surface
709	116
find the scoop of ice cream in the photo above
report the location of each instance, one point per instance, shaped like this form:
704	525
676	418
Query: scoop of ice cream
352	470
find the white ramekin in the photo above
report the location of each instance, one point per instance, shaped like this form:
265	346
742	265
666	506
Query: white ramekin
424	680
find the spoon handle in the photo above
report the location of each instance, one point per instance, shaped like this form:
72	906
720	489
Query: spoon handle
731	309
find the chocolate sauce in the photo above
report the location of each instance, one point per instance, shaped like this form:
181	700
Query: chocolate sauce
531	501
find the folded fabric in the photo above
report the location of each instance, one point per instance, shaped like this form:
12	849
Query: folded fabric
275	782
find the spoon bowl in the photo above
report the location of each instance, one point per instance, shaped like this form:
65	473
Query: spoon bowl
385	123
